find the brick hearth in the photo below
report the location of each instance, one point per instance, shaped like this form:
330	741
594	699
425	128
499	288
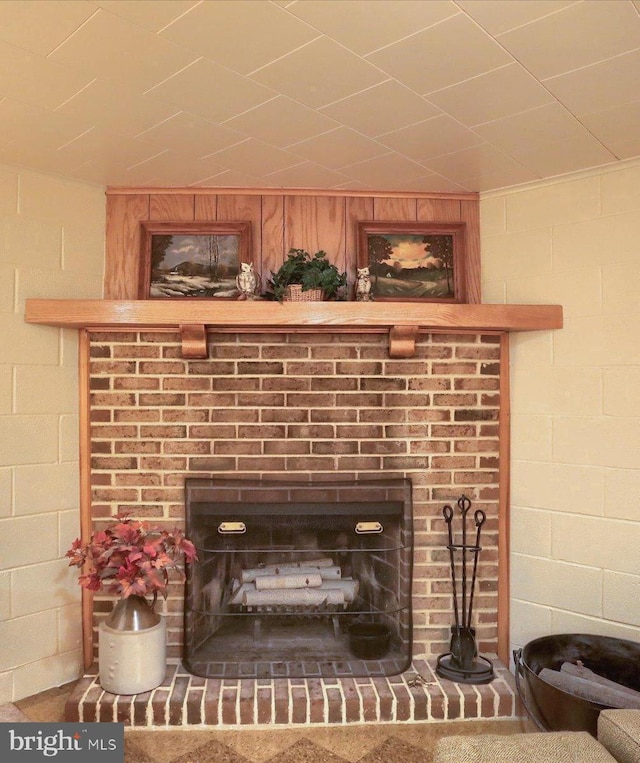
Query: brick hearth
183	699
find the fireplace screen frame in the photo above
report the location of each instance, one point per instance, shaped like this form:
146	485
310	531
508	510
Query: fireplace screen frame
360	531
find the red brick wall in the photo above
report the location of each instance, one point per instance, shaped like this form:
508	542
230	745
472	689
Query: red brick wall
309	405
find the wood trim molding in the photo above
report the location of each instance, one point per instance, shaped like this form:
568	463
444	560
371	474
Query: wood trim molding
504	480
403	320
200	191
102	313
402	341
85	486
194	341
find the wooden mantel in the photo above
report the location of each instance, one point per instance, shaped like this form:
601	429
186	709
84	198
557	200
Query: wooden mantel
403	320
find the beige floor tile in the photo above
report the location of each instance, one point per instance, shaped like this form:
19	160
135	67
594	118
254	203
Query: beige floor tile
163	746
261	745
351	743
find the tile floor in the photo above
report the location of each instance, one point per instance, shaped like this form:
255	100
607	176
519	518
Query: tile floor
374	743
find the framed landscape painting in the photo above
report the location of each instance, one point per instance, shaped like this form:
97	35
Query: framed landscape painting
413	262
192	260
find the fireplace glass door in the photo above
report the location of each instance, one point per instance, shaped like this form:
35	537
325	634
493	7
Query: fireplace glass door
298	579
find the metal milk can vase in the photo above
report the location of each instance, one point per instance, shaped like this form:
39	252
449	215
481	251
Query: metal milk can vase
132	647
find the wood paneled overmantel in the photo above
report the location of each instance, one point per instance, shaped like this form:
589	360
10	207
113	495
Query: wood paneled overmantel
403	320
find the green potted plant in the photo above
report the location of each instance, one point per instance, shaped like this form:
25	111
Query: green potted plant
306	277
131	560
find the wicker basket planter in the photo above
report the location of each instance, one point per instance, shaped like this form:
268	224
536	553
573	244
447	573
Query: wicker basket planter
320	278
294	293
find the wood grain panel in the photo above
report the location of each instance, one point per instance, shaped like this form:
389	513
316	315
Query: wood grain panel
169	206
470	213
206	207
357	209
280	221
272	236
122	252
394	209
314	223
439	210
240	208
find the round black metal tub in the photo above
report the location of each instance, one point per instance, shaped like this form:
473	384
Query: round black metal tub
555	710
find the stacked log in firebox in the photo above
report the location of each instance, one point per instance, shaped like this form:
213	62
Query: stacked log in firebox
315	583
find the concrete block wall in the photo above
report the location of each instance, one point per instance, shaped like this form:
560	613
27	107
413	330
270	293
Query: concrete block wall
51	245
575	481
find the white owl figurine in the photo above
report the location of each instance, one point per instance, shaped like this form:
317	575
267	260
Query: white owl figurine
363	285
246	280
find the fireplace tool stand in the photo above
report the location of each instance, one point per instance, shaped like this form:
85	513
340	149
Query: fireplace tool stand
463	664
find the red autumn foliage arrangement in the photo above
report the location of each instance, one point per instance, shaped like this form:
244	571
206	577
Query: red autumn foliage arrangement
129	558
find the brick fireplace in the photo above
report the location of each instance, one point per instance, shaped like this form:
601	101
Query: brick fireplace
306	405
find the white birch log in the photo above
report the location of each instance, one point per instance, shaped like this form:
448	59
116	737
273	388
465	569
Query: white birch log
348	586
237	597
581	671
271	582
324	561
328	573
589	690
293	597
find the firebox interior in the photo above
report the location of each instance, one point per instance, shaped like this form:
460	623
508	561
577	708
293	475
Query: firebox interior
285	569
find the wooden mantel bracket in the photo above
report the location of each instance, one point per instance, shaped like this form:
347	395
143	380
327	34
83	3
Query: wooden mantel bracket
194	341
402	341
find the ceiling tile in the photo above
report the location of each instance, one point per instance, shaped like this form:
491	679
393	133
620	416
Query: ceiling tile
37	155
30	123
191	135
517	134
499	177
363	28
175	168
440	135
243	36
305	175
618	129
566	155
109	47
151	16
106	148
35	80
232	179
382	108
114	108
106	173
254	158
475	162
281	122
39	26
491	96
338	148
579	35
227	93
319	73
424	62
382	171
599	87
497	16
430	183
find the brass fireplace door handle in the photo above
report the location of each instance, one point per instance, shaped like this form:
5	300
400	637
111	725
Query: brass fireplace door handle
365	528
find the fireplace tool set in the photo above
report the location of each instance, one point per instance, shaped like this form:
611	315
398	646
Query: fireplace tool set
462	663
